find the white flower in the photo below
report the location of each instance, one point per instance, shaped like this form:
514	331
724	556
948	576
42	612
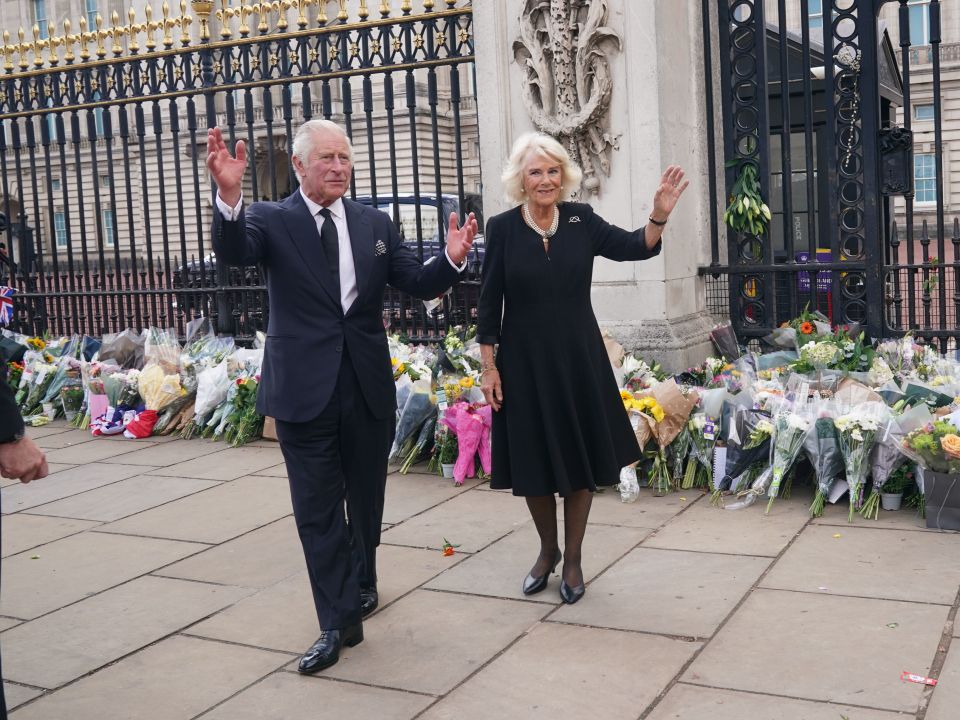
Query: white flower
880	372
765	426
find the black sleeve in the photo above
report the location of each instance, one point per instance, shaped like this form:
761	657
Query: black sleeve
490	305
615	243
11	423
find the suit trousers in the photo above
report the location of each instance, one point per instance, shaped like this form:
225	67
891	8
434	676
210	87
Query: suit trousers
337	460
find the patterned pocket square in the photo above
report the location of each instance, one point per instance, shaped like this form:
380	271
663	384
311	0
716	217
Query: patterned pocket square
380	248
574	218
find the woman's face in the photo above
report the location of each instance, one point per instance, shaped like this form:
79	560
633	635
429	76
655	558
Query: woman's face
542	180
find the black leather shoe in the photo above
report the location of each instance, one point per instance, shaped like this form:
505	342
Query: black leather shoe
326	650
369	600
532	585
570	595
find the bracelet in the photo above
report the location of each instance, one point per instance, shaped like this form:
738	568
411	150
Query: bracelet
657	222
488	369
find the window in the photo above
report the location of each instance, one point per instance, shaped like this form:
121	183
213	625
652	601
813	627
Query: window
815	8
55	185
40	17
925	177
919	22
60	228
108	228
92	11
105	181
923	112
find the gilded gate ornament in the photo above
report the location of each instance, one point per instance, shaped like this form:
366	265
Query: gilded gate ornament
565	49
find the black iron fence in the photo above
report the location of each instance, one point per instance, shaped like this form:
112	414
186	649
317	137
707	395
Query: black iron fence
819	99
105	197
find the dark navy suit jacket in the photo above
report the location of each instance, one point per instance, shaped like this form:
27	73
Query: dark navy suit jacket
308	329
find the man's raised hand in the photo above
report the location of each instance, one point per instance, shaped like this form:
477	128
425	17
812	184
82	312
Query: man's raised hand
227	170
460	240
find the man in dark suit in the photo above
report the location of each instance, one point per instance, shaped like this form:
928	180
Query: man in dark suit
20	458
326	375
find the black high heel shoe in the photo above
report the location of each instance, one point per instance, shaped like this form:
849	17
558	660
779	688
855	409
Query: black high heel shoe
570	595
532	585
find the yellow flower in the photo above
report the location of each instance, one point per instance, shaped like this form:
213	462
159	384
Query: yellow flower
466	382
394	362
36	343
651	407
400	367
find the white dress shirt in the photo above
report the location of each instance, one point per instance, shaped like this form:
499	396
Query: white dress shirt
348	272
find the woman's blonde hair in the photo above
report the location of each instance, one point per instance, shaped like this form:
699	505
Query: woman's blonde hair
535	143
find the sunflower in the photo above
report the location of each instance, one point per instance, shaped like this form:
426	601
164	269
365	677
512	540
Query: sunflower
466	382
807	328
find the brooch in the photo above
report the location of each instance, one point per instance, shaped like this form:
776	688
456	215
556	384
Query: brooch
380	248
574	218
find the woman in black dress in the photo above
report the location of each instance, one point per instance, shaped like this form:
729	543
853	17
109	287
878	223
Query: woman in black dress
562	428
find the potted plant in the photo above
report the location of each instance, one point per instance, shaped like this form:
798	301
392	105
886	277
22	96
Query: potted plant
71	397
449	449
891	493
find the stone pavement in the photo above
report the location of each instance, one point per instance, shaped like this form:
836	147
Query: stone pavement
163	579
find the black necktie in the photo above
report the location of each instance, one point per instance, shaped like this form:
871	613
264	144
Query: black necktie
330	240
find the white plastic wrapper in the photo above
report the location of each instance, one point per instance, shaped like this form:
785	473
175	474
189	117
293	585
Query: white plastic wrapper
629	487
212	386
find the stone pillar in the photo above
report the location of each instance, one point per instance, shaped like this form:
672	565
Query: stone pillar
656	307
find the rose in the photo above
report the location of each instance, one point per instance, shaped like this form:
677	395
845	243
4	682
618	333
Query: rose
951	445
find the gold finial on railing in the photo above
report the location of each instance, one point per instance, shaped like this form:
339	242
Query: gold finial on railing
53	42
184	22
321	12
84	38
150	27
7	51
281	10
167	23
343	14
224	15
363	13
428	5
68	41
450	4
100	35
37	46
133	30
301	14
385	8
245	12
203	8
115	32
22	49
406	6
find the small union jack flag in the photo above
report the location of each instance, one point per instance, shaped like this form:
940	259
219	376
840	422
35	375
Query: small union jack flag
6	304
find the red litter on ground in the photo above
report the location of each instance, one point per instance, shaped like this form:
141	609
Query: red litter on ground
920	679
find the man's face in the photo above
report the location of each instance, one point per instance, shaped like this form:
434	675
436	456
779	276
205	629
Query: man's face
326	174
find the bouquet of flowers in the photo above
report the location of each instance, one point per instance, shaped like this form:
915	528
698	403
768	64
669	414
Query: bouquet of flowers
71	398
823	448
799	331
471	425
14	372
675	408
424	442
39	382
818	355
703	435
790	427
749	451
417	409
244	422
884	460
857	432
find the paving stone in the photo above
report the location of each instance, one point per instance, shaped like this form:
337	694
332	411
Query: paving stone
429	641
258	559
867	562
273	471
64	438
179	677
408	495
51	469
163	455
54	428
215	515
64	484
815	647
17	695
283	617
41	580
698	703
23	532
87	452
124	498
6	623
283	696
228	464
749	531
472	520
674	592
75	640
646	512
904	519
563	671
946	695
499	569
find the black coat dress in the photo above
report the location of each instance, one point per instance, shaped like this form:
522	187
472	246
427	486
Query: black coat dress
562	427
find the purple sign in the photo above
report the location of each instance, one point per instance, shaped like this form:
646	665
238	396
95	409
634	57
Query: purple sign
824	281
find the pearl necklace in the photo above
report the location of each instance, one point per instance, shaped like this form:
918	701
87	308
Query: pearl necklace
546	234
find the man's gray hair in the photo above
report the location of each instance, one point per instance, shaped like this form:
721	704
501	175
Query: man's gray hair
305	138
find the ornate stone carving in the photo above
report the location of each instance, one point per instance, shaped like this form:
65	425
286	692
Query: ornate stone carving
564	49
